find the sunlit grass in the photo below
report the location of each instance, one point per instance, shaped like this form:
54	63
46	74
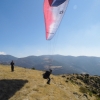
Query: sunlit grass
35	87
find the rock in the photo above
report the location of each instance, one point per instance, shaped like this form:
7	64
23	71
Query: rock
76	94
85	95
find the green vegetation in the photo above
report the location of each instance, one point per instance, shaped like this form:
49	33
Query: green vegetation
83	90
33	68
90	93
98	98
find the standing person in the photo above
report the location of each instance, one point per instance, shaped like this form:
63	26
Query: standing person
12	66
46	75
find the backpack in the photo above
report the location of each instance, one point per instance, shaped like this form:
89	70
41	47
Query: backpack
46	74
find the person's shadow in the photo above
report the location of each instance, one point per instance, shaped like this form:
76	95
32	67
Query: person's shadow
8	87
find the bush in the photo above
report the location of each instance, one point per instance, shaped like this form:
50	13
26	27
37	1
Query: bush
86	80
90	93
83	90
94	92
98	99
33	68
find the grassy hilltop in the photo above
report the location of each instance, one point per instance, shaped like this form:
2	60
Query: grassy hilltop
28	84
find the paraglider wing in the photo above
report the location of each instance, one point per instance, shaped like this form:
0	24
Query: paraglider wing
53	13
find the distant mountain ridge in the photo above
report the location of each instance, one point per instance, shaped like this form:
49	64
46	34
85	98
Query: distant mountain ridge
60	64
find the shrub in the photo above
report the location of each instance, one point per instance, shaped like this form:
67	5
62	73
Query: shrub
86	80
98	99
33	68
63	76
90	93
83	90
94	92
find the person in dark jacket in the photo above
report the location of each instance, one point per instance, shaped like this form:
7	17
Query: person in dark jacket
12	66
46	75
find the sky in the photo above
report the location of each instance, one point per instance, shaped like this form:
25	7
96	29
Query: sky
22	29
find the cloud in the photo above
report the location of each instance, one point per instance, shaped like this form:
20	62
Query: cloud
2	53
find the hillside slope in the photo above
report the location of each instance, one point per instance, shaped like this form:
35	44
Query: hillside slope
28	84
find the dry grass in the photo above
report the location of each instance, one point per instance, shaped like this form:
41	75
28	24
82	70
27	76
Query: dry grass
28	84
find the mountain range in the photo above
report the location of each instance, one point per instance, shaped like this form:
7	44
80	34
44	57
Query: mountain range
58	63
